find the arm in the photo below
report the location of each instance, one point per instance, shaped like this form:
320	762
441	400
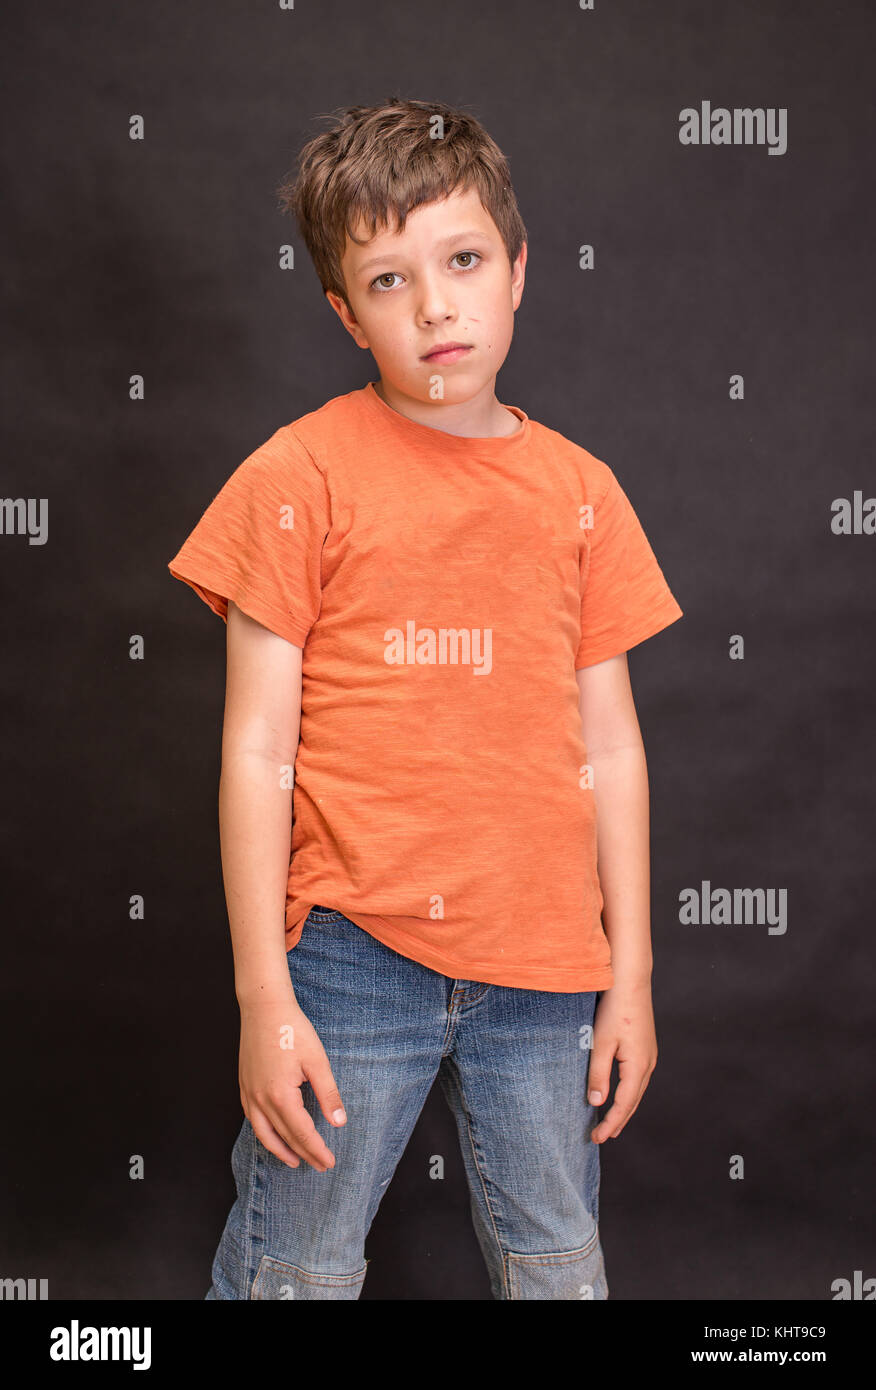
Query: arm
625	1019
259	738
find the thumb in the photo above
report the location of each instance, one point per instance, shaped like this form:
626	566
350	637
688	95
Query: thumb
324	1087
599	1074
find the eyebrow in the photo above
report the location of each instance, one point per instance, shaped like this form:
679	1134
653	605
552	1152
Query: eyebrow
456	236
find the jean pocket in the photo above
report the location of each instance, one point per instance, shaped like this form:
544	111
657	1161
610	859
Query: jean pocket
277	1280
562	1274
316	917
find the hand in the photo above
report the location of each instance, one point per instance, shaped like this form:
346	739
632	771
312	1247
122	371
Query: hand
279	1050
624	1028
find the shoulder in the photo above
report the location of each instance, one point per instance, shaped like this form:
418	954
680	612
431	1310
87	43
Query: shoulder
320	432
301	457
301	448
595	475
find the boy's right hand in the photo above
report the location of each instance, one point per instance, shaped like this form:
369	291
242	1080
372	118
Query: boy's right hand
279	1050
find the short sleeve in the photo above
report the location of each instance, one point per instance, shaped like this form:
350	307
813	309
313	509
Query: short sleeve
259	543
624	596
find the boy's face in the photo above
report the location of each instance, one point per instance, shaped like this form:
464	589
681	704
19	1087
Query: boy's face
445	278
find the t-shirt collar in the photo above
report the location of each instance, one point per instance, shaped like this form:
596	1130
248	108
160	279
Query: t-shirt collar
456	442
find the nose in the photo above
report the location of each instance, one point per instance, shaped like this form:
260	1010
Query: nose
435	304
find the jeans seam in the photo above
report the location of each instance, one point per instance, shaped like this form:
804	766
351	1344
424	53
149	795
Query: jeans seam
259	1191
548	1259
248	1261
480	1174
555	1257
312	1277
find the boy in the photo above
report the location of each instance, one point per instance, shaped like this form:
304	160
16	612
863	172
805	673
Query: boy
429	598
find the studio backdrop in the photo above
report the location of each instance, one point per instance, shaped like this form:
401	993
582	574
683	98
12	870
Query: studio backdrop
696	182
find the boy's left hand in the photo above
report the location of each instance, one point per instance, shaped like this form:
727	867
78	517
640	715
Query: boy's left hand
623	1028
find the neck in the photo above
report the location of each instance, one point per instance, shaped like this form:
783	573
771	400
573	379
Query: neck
479	418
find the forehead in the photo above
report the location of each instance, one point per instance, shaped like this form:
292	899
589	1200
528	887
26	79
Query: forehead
424	225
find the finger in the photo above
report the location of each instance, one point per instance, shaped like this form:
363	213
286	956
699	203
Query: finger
615	1127
294	1124
322	1082
270	1139
626	1098
599	1073
646	1069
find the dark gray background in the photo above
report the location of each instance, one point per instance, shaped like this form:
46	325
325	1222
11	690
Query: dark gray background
160	257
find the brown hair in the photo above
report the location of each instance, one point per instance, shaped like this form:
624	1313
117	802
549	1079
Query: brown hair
381	159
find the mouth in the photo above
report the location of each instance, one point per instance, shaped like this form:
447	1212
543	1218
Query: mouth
446	352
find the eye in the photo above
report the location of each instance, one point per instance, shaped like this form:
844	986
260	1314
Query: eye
387	275
379	284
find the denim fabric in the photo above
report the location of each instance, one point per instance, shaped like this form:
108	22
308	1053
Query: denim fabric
513	1066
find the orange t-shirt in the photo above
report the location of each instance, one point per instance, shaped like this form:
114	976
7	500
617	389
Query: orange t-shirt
444	591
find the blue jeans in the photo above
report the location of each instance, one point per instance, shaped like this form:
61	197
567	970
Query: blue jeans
513	1066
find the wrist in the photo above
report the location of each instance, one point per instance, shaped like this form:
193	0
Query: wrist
265	994
633	976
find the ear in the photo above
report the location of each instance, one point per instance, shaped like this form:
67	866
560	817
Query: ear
518	275
344	313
